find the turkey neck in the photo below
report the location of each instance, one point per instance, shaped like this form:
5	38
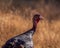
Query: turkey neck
34	27
32	31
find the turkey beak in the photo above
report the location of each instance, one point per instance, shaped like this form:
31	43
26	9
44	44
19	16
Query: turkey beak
41	17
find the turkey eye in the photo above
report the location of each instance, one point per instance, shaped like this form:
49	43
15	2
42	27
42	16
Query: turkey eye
37	17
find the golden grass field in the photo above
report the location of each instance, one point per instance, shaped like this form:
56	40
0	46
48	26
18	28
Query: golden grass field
47	34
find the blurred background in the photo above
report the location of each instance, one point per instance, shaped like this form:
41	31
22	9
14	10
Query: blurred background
16	18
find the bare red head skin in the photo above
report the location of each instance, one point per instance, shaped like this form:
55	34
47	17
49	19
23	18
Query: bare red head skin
36	19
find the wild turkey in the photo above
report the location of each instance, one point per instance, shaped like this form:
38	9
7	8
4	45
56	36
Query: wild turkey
24	40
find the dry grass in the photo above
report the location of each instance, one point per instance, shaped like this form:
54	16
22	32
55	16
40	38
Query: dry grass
48	30
47	34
